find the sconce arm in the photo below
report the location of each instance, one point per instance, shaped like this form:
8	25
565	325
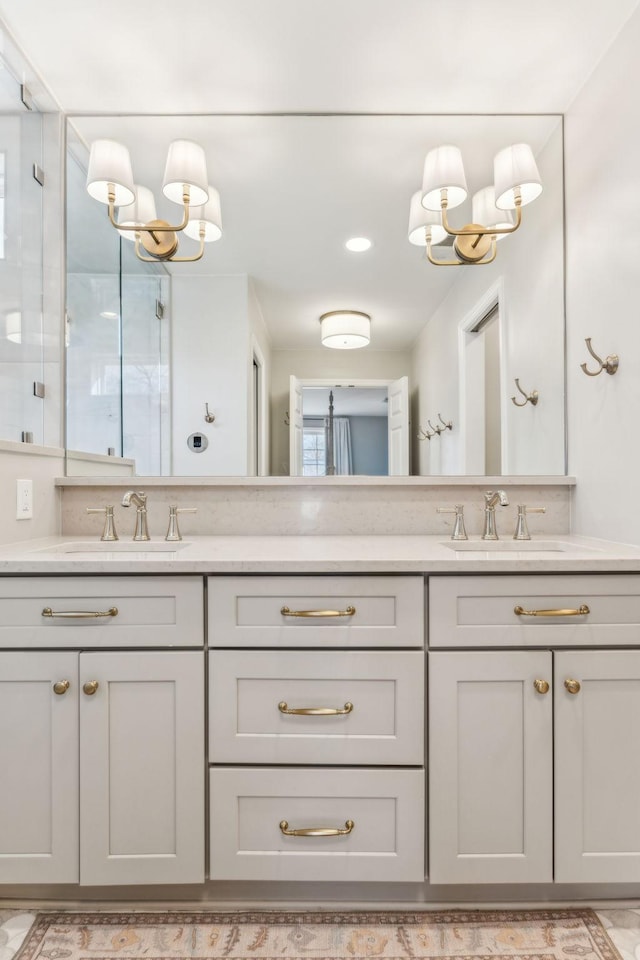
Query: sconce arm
158	226
461	263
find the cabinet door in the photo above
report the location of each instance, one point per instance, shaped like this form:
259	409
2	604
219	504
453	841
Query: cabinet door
490	768
142	767
39	768
597	771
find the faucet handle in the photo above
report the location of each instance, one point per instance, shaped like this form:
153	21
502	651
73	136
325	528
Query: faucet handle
109	529
458	532
522	530
173	530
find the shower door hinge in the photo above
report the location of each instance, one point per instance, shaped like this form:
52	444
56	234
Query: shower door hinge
159	309
38	389
38	174
25	96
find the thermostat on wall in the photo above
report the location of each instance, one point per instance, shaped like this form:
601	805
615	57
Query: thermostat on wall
197	442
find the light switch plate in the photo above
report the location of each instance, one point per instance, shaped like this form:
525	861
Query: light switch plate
24	499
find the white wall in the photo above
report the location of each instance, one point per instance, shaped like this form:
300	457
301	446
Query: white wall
209	350
41	465
529	265
322	363
602	163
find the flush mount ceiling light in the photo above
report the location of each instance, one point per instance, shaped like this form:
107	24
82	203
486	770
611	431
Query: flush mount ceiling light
345	329
516	183
110	181
358	244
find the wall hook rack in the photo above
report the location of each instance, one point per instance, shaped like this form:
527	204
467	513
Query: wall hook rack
209	417
437	429
446	425
287	421
610	365
424	434
531	398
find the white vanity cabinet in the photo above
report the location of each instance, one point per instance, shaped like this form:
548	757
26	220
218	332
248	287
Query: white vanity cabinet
325	730
533	773
101	752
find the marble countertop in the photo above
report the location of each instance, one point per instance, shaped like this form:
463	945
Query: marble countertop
317	554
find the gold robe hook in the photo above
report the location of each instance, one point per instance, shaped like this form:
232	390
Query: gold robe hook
610	365
531	398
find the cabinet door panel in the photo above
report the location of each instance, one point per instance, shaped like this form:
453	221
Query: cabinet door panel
39	768
597	769
490	769
142	768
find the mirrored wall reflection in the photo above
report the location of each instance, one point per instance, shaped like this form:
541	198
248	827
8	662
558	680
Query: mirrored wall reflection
21	273
117	347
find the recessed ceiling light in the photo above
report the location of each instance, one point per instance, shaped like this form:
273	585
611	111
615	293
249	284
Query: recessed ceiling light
358	244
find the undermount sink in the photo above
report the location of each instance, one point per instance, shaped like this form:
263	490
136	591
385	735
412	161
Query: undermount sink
515	546
117	546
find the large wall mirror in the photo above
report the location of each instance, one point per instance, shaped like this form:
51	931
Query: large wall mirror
187	367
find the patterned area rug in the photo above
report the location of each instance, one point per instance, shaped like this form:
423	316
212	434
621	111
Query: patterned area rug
445	935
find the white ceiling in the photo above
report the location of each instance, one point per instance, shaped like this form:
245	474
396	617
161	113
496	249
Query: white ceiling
207	56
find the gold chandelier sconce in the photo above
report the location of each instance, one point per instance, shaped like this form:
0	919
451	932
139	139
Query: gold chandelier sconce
496	209
110	181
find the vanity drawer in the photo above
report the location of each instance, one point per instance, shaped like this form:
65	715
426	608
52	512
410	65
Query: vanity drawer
248	806
257	699
278	611
151	612
481	611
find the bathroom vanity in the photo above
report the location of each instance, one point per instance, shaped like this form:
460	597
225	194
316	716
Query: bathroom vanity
394	709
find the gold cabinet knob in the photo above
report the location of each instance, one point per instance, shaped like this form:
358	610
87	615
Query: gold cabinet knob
573	686
61	686
90	687
542	686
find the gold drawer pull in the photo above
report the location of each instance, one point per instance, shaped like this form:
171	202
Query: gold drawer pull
61	686
542	686
317	831
580	612
80	614
315	711
573	686
90	687
286	612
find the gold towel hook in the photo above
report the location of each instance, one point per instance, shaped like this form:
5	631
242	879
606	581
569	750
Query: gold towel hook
437	429
610	364
424	434
531	398
446	425
209	417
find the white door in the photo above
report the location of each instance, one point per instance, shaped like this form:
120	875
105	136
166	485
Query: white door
490	768
597	770
142	767
39	767
398	427
295	427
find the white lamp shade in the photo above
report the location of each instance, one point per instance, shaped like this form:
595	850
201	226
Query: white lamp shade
210	215
186	164
515	167
136	214
345	329
109	162
485	212
443	170
421	220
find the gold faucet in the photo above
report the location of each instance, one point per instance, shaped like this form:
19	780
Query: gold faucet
491	499
140	499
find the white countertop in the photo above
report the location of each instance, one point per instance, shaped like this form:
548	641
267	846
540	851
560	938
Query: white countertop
317	554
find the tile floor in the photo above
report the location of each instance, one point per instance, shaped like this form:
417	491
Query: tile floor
622	925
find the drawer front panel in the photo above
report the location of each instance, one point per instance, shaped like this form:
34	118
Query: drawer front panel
255	699
385	808
151	611
285	611
559	610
